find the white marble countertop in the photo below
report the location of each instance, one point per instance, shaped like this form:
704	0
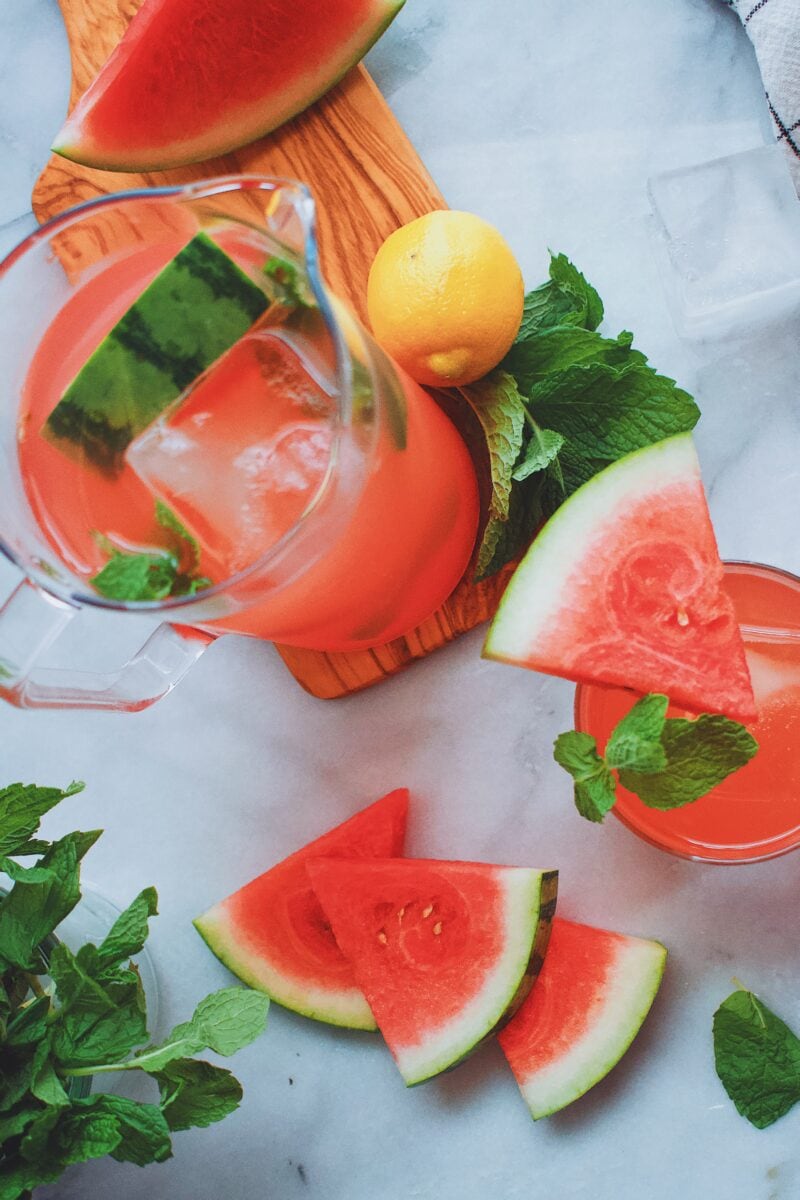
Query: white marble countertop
546	118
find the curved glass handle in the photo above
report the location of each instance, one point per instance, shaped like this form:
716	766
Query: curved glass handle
30	621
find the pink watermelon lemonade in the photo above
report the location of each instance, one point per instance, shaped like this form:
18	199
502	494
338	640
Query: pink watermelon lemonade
407	538
755	813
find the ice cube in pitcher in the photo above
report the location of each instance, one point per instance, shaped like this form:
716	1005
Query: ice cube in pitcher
241	455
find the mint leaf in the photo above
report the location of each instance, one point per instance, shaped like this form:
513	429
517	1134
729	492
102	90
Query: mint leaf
635	743
500	409
540	451
605	412
31	911
142	1128
153	575
94	1021
126	937
21	808
290	287
137	576
503	540
567	299
187	545
700	754
196	1093
29	1024
594	784
225	1021
554	350
757	1058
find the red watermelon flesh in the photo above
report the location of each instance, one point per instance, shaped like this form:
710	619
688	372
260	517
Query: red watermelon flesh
587	1005
624	585
192	79
273	934
442	950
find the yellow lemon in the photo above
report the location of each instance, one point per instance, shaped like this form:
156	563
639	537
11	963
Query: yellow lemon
445	297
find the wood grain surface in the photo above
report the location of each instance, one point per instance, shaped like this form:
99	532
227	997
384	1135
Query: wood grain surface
367	180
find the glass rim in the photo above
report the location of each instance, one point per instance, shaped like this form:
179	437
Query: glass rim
306	209
773	849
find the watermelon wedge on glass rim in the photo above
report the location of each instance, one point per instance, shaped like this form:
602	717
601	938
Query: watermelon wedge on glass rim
274	936
586	1007
193	79
624	585
444	951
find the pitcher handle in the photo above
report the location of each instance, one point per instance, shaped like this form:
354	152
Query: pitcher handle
31	620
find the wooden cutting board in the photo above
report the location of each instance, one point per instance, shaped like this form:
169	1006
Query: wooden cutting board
367	180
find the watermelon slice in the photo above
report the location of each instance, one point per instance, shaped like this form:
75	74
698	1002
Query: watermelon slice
273	934
592	995
443	951
624	585
192	79
194	310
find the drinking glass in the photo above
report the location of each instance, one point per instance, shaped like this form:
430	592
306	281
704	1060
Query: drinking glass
754	814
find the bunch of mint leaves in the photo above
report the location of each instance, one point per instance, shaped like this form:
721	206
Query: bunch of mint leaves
666	761
172	571
757	1057
564	403
66	1016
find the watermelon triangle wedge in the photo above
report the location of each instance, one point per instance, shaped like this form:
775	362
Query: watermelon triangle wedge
273	934
586	1007
193	79
624	585
443	951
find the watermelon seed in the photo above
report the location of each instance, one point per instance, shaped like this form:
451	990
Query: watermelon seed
382	938
426	912
437	929
401	912
683	616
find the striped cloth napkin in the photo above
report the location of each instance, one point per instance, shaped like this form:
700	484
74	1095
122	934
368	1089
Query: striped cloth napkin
774	29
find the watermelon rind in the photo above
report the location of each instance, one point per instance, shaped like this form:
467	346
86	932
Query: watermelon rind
614	1018
259	955
230	131
540	597
345	1008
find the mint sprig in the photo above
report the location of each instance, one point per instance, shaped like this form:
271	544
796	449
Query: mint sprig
65	1015
666	761
564	403
153	576
757	1057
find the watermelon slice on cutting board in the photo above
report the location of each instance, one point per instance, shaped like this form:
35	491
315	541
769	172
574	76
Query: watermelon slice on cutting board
192	79
624	585
586	1007
443	951
273	934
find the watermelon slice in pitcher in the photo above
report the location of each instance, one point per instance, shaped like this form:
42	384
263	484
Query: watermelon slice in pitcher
586	1007
624	585
443	951
273	934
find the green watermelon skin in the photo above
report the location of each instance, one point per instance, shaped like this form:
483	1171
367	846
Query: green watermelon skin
444	952
592	995
191	313
194	79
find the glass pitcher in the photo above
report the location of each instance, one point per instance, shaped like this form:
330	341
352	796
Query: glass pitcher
323	498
